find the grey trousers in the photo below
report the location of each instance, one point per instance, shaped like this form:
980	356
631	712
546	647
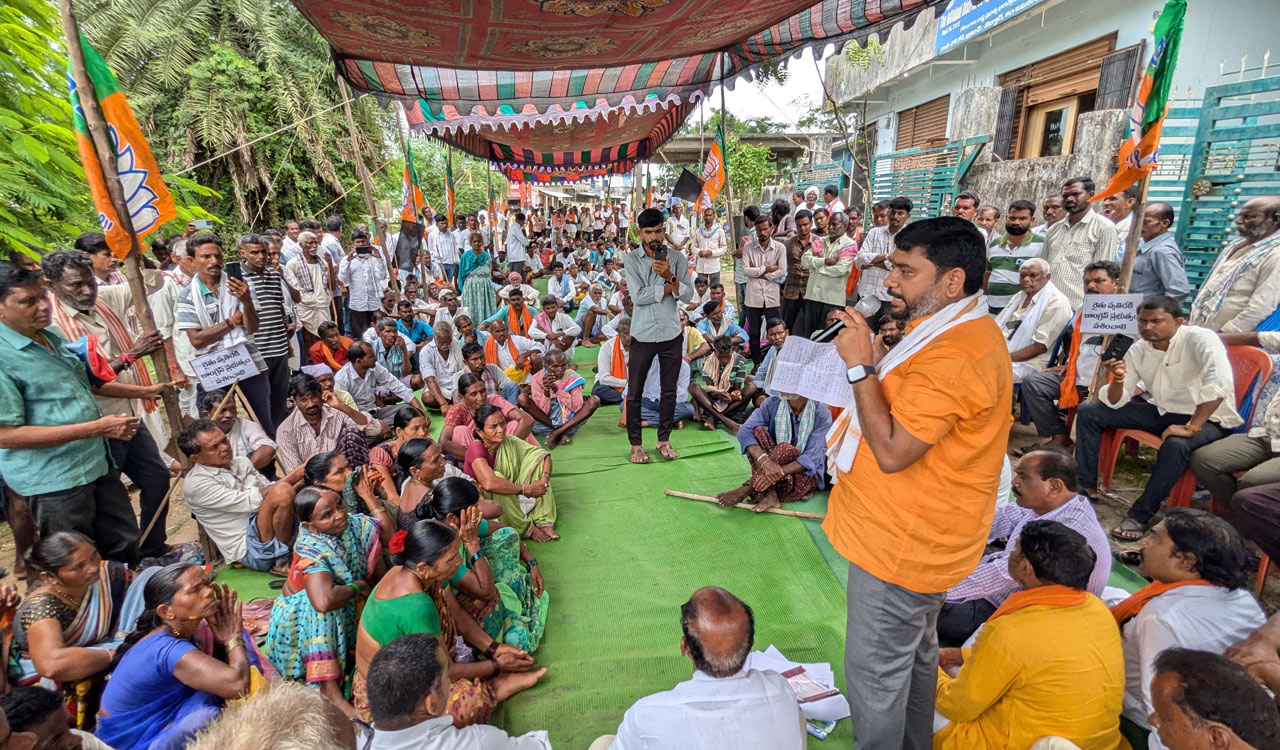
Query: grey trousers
891	663
1040	393
1216	463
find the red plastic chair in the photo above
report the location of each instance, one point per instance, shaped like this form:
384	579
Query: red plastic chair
1251	369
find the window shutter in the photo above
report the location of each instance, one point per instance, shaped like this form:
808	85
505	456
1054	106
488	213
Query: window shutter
1002	145
1115	84
931	121
905	137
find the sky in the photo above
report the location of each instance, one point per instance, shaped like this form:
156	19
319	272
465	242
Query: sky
784	103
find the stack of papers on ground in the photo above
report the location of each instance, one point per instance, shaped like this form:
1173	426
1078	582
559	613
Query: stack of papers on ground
816	682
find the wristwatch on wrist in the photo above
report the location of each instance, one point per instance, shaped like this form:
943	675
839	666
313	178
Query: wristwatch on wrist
858	373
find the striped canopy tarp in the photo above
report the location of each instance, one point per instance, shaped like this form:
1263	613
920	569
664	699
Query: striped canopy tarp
556	87
613	142
500	58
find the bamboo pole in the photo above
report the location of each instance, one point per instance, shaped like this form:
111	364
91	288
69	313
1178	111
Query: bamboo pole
102	147
361	170
775	511
728	186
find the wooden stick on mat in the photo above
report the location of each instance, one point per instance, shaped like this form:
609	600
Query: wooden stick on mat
775	511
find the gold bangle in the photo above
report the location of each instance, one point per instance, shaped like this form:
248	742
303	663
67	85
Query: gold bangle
233	644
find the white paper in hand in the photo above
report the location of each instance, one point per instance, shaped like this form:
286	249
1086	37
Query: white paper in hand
812	370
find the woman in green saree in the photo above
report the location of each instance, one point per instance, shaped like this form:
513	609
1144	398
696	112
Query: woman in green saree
513	474
498	583
475	280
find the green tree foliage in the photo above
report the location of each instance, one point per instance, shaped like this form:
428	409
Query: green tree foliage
748	167
43	196
206	76
733	125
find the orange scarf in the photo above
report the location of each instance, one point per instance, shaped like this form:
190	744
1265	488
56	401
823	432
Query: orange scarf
519	325
491	352
1053	595
1067	395
618	368
1129	608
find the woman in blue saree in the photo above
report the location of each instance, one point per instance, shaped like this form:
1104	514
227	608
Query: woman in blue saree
475	276
164	687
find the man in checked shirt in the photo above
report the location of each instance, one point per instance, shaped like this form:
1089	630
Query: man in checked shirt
1044	485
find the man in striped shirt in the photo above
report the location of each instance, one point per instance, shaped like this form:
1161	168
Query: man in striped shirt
1044	483
266	288
1007	252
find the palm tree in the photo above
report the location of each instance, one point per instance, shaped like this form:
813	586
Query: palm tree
207	76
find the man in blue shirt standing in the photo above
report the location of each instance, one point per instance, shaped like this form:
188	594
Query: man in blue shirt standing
53	446
657	279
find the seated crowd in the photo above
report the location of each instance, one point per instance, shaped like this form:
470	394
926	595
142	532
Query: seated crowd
410	598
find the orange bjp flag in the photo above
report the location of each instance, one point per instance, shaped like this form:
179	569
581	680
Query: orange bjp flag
148	199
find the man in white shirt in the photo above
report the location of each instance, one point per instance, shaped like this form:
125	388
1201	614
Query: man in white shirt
677	228
515	281
1052	211
1210	609
611	375
517	246
561	285
1119	209
516	355
554	329
450	307
707	247
723	705
440	362
811	198
873	259
1243	287
408	688
331	243
443	247
1190	401
831	194
1033	319
365	276
369	383
249	518
1043	393
248	439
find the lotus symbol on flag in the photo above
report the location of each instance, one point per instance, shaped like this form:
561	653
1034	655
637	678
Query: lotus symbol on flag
139	196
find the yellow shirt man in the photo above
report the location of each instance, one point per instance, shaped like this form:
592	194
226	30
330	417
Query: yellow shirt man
1042	670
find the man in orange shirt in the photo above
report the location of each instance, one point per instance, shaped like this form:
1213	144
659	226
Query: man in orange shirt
918	464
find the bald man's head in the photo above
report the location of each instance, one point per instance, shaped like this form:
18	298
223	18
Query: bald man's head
719	630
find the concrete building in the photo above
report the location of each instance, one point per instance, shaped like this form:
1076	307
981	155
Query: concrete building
1038	88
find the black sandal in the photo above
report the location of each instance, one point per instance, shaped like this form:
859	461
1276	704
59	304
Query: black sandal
1130	530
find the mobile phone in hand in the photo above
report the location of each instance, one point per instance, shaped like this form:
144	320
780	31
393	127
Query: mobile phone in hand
234	270
660	253
1118	348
